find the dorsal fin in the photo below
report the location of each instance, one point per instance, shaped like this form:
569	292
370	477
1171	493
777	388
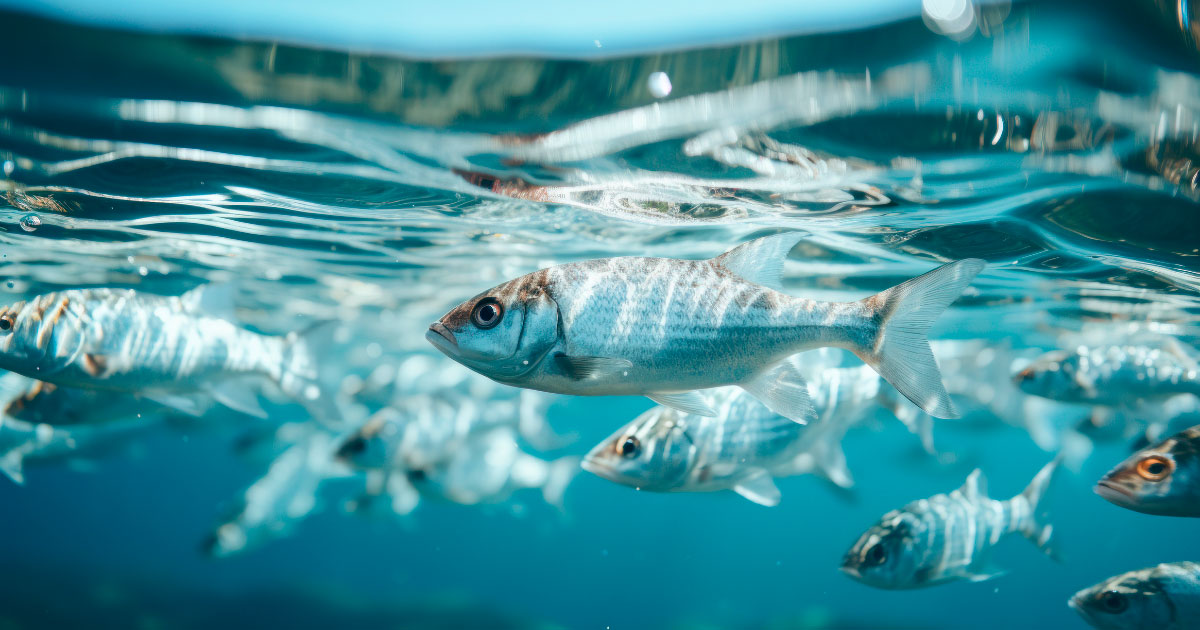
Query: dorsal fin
975	487
211	300
761	261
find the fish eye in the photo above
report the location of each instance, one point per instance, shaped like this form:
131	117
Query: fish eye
1113	602
354	446
1155	468
630	447
487	313
7	321
417	475
876	555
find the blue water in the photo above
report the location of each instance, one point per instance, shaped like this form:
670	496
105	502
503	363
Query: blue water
1057	141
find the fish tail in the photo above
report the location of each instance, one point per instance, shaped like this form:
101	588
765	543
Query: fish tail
900	349
299	375
1032	503
559	475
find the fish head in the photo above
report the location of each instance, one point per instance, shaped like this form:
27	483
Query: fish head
886	556
502	333
1125	602
23	344
369	447
654	452
1055	375
1155	480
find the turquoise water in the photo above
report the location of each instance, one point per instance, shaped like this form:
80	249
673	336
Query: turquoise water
1057	142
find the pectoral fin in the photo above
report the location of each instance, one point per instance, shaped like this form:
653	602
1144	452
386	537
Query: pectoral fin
580	368
687	402
782	389
760	489
238	397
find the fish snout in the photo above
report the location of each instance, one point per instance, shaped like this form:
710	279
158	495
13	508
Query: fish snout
441	336
852	571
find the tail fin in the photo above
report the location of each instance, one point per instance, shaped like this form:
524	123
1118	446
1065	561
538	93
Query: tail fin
299	376
1037	526
560	474
900	350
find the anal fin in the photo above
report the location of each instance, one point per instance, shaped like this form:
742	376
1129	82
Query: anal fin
759	488
237	396
688	402
782	389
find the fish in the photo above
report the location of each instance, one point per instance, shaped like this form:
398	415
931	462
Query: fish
1113	375
1163	479
948	537
1163	597
162	348
490	468
664	328
744	448
285	495
23	443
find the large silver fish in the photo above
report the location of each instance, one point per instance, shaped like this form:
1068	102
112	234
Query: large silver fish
741	449
1165	597
1162	479
159	347
1114	376
949	537
664	327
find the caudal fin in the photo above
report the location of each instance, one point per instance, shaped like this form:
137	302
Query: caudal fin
1036	526
300	376
559	475
900	350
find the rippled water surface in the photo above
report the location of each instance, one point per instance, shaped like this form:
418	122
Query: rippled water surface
380	192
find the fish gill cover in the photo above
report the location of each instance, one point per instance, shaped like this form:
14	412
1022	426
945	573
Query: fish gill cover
788	318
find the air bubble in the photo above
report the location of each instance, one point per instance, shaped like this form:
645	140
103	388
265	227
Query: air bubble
659	84
31	222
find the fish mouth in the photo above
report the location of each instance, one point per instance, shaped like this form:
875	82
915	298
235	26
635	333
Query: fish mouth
594	466
441	337
851	571
1113	492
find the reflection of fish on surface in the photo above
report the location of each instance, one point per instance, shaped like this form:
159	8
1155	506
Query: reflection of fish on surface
665	328
1164	597
949	537
1161	479
745	445
159	347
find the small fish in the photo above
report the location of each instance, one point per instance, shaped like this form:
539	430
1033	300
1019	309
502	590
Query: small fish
741	449
1165	597
948	537
1163	479
159	347
490	468
46	403
1113	376
664	328
285	495
23	443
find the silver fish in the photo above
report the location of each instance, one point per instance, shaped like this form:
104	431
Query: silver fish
22	443
122	340
1165	597
663	328
948	537
1113	376
1162	479
741	449
490	468
285	495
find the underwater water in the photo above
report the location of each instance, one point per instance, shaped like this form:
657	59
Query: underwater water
369	194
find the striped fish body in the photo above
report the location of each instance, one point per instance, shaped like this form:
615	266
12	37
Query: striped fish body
1113	376
948	537
122	340
663	315
1164	597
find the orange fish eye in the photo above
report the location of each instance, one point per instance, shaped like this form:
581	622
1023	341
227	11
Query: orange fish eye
7	321
1155	468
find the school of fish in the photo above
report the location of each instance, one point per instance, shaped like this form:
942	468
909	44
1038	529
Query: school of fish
751	384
